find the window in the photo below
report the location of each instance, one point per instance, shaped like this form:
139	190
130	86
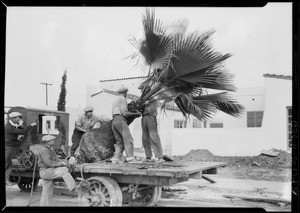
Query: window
196	123
179	124
254	119
289	114
216	125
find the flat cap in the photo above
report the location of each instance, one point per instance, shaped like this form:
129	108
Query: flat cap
122	89
88	109
47	138
14	114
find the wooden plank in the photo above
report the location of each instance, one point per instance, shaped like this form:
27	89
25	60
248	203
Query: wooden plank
265	199
197	175
208	179
147	170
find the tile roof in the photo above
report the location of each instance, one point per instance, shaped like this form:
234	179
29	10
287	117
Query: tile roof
129	96
120	79
286	77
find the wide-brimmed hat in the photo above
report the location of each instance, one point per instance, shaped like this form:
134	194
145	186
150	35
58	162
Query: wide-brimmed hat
122	89
88	109
47	138
14	114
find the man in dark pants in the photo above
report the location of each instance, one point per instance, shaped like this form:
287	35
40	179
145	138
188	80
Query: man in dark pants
84	122
13	137
150	135
123	137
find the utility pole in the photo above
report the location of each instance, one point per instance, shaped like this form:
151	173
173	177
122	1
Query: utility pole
46	92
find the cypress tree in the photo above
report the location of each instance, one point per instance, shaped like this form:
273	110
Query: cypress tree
61	104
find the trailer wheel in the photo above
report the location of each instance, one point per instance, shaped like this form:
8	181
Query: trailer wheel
145	195
25	184
117	188
103	191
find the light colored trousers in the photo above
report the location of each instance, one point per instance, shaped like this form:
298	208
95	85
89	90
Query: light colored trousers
150	136
47	175
123	137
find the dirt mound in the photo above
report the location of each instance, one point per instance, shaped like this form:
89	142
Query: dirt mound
283	159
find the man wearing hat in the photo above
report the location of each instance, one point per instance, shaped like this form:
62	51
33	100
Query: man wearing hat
84	122
51	167
13	133
150	137
123	137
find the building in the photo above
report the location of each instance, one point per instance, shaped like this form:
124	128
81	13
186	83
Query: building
265	123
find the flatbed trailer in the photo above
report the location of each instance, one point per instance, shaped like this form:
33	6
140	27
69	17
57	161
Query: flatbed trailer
135	184
127	184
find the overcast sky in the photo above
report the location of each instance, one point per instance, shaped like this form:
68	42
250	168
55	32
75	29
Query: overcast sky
92	42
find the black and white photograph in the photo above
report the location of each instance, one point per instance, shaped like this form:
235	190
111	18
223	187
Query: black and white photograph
149	106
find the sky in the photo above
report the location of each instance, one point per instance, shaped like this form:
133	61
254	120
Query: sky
91	43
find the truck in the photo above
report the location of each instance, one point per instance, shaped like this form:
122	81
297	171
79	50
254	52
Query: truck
126	184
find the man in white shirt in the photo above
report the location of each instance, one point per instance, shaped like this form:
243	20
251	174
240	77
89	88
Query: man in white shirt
123	137
84	122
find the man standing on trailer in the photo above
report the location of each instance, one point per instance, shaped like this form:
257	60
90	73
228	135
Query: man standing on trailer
14	132
123	137
150	137
84	122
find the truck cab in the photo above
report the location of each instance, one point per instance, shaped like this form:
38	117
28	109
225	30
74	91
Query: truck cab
49	122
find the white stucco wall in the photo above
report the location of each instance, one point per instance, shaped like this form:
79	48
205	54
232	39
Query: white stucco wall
102	104
251	98
221	141
278	98
236	138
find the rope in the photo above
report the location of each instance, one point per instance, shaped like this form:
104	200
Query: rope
33	177
81	168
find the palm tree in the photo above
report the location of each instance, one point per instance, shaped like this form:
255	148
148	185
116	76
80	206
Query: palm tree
182	69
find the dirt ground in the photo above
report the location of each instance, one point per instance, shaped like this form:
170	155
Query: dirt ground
260	167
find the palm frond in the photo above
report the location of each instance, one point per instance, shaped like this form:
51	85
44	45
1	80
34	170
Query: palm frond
221	101
181	66
193	55
156	48
177	27
186	106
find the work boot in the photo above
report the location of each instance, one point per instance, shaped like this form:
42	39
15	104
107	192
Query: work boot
148	159
116	161
117	158
160	160
131	160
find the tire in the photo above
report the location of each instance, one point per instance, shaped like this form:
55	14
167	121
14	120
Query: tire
25	184
145	196
117	188
103	191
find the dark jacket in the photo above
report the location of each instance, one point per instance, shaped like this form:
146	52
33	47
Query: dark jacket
11	134
48	158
